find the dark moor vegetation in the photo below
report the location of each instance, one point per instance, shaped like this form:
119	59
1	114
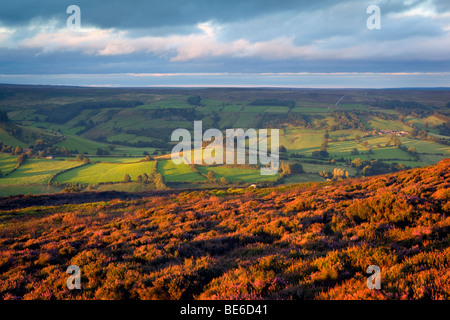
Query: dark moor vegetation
307	241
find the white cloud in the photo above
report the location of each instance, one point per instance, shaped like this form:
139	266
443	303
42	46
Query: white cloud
209	42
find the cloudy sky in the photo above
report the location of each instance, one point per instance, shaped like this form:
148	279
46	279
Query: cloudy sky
289	43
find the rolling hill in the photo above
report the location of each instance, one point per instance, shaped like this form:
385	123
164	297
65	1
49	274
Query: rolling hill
305	241
364	132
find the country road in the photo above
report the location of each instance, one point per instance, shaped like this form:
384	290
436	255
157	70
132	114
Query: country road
337	103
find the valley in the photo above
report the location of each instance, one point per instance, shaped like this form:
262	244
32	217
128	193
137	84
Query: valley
84	139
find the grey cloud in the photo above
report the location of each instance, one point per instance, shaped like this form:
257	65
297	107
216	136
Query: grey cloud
141	13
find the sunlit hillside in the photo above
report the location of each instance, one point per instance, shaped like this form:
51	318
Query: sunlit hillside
308	241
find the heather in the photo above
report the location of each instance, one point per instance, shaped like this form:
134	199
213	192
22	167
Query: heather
306	241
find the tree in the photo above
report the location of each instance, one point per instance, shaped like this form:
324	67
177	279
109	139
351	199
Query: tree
285	168
319	154
367	171
211	175
159	181
412	150
288	168
18	150
339	174
126	178
357	162
223	180
139	179
4	116
21	159
283	149
101	152
396	141
297	167
194	100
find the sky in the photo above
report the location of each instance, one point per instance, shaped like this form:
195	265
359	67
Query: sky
209	43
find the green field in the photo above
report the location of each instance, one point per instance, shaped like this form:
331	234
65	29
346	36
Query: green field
315	168
37	171
301	141
304	177
277	109
104	119
380	124
254	109
82	145
27	189
167	103
105	172
426	146
9	140
178	173
238	174
7	163
116	159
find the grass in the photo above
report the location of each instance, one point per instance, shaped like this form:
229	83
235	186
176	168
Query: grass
124	187
302	141
167	103
316	168
37	171
343	148
352	106
385	153
116	159
10	140
105	172
132	151
257	109
31	134
27	189
7	163
430	159
178	173
238	174
304	177
277	109
239	120
426	146
309	110
82	145
232	108
380	124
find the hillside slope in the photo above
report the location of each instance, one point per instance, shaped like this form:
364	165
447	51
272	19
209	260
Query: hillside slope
302	242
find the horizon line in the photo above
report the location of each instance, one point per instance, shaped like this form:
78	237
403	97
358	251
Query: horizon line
220	86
